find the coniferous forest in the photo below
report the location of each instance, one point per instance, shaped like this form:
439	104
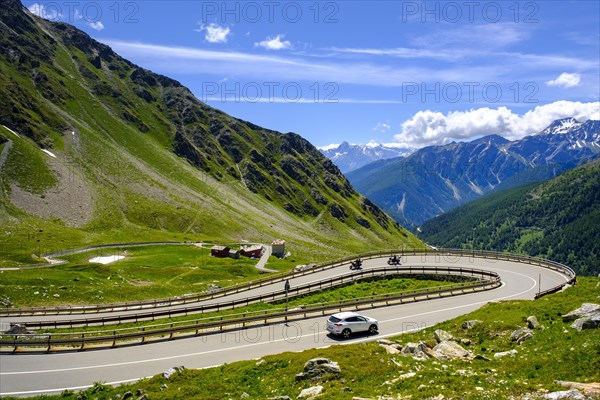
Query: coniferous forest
558	219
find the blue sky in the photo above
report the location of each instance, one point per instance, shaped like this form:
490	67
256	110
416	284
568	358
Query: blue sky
403	72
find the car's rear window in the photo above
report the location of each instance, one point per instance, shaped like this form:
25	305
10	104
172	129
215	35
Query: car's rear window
334	319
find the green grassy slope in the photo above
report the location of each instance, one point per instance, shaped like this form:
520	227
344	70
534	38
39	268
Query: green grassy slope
558	219
139	158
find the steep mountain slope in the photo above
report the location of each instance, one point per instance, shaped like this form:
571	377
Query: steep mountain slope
96	149
436	179
557	219
349	157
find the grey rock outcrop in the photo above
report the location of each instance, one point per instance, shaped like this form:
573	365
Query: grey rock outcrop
565	394
317	367
449	350
441	336
519	334
470	324
389	346
532	322
505	353
417	350
592	389
168	373
523	338
310	392
586	310
410	348
589	322
586	317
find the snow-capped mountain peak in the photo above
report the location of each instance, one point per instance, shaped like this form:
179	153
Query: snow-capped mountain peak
349	157
443	177
561	126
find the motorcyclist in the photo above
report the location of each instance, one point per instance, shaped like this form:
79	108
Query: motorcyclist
394	260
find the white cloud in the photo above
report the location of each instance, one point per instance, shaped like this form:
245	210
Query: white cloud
287	67
98	25
169	60
42	11
582	39
274	43
215	33
382	127
404	52
428	127
483	36
520	61
566	80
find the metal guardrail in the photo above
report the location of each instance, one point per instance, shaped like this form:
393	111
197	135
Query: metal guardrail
168	302
171	301
267	297
70	341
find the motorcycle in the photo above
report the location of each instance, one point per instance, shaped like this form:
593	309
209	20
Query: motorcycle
356	264
395	260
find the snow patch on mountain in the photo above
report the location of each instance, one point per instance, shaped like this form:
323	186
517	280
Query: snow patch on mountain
561	126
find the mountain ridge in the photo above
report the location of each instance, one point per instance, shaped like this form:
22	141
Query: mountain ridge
143	157
349	157
436	179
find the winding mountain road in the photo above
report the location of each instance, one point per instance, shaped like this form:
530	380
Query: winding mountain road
36	373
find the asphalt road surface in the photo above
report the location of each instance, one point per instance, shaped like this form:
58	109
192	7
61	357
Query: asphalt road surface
33	374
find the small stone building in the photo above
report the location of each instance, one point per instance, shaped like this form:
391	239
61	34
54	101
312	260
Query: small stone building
278	248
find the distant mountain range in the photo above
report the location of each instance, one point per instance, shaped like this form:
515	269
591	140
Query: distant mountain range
436	179
557	219
349	157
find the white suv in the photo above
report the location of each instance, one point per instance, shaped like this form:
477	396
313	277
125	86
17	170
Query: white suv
347	323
